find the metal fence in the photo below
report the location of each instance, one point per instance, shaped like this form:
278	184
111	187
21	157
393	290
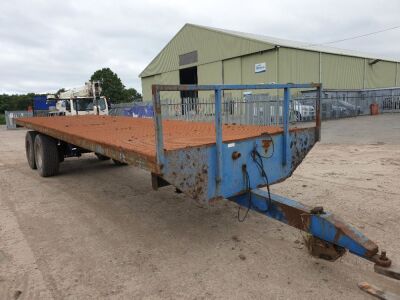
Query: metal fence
351	106
12	115
118	109
344	103
259	109
41	113
132	109
267	110
234	111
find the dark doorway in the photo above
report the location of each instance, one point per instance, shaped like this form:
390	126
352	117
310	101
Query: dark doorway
189	98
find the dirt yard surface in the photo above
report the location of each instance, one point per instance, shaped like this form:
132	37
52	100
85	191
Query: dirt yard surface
100	231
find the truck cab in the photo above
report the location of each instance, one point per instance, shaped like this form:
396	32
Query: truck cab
85	100
80	106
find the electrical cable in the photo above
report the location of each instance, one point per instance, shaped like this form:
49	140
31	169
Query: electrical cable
258	160
260	165
355	37
248	188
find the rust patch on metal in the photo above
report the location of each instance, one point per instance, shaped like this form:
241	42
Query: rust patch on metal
381	260
92	136
187	170
324	250
300	217
302	141
342	229
132	140
138	134
318	210
296	217
215	200
266	144
236	155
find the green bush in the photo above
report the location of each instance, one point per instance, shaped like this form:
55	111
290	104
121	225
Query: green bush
2	119
15	102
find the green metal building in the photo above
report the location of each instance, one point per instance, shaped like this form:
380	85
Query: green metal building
204	55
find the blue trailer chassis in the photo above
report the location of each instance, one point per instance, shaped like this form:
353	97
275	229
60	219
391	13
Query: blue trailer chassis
238	170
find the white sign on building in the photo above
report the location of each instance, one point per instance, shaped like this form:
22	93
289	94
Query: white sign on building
261	67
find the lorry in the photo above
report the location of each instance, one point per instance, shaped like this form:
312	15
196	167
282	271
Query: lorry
211	161
84	100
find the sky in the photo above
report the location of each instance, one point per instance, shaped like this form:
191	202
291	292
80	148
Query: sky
47	45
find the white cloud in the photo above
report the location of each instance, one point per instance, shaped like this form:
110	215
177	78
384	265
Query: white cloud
46	45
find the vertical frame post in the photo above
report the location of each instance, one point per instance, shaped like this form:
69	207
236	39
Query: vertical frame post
285	145
158	127
318	114
218	134
95	99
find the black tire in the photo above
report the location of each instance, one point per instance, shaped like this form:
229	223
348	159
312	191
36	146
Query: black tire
30	148
119	163
101	157
46	155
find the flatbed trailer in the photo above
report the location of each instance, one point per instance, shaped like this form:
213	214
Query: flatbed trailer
209	161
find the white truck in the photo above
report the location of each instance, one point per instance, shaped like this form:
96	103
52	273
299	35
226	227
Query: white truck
303	112
85	100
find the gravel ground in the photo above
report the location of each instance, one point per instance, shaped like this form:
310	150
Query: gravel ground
99	231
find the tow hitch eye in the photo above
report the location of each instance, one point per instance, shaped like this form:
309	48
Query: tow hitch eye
382	260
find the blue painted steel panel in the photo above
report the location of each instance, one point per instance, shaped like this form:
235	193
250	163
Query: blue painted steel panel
195	169
225	175
325	226
324	229
40	102
139	111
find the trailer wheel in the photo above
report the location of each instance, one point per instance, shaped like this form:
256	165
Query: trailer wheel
119	163
29	148
101	157
46	155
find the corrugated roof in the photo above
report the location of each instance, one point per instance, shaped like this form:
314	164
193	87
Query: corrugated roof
296	44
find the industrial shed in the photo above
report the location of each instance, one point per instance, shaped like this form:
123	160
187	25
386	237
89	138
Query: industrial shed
205	55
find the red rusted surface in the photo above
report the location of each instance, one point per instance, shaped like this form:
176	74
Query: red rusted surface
137	135
266	144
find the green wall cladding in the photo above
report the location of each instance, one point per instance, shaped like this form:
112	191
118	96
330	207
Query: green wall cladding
342	72
380	74
298	66
211	46
223	58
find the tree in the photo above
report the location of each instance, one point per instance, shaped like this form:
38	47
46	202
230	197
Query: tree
113	88
15	102
111	85
132	95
